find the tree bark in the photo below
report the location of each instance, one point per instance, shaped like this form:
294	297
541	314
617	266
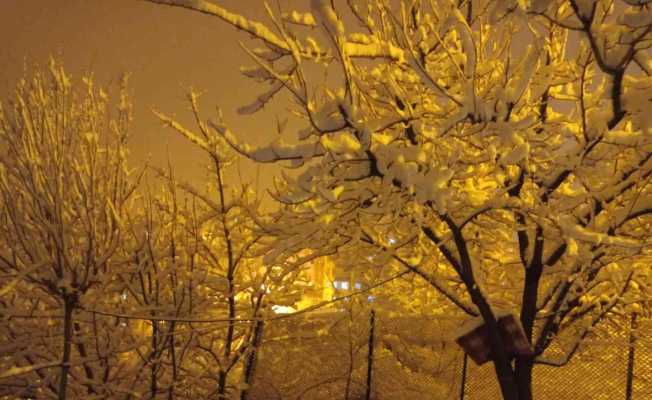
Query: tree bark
88	370
524	365
250	363
501	361
68	310
153	382
506	378
464	268
523	373
230	276
173	359
228	341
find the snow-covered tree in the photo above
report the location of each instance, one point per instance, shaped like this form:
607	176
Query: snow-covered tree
231	282
116	288
498	149
65	189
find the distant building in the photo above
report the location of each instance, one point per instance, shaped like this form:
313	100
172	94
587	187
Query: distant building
326	282
320	275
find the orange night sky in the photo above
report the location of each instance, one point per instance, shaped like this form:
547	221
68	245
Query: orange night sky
165	49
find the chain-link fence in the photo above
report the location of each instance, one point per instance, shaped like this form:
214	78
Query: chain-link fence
617	365
326	357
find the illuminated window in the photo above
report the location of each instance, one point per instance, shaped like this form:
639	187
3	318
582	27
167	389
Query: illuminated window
344	285
358	285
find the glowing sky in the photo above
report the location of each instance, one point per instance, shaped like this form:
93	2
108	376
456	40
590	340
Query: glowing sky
166	50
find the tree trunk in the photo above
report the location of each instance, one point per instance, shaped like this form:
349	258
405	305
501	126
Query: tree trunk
523	373
250	363
228	341
153	380
88	370
221	385
68	309
173	360
524	365
506	380
501	361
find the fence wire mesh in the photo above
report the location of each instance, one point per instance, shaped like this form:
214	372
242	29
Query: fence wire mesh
599	371
327	358
332	363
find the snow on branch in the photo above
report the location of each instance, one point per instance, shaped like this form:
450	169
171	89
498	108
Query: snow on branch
254	28
575	231
276	151
194	138
375	49
479	134
15	371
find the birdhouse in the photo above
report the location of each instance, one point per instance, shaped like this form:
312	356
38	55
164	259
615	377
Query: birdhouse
474	338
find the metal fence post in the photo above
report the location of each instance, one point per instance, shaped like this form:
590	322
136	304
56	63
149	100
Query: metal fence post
630	358
463	384
370	354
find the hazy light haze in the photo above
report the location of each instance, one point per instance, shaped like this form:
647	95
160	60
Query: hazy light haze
166	50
